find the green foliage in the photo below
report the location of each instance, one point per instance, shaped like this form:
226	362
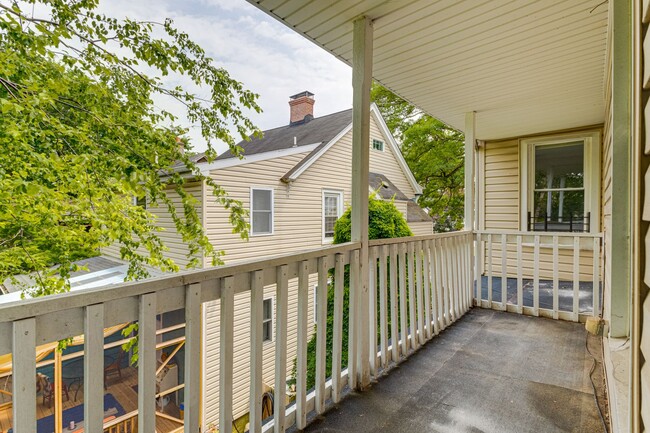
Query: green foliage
81	136
435	154
384	221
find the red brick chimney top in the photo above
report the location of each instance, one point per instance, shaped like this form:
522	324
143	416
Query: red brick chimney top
302	107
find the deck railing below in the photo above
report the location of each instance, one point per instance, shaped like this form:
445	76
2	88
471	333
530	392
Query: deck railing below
417	287
555	275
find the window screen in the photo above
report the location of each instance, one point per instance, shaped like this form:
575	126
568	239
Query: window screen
559	190
262	211
331	208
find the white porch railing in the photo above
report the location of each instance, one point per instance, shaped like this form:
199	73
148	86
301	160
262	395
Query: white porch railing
422	284
554	275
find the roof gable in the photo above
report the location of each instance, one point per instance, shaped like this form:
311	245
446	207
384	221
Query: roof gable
303	165
316	131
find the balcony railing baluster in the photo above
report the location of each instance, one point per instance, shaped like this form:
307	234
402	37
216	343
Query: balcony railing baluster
421	285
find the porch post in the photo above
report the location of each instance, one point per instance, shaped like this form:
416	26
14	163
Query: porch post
617	241
470	140
361	81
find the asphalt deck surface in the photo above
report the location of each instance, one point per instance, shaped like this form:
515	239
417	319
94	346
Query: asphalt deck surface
489	372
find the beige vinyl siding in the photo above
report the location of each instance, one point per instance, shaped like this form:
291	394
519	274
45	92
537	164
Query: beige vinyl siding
298	212
241	356
500	174
421	228
402	207
169	236
287	235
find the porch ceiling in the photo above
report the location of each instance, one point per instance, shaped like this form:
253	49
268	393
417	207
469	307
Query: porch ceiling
523	66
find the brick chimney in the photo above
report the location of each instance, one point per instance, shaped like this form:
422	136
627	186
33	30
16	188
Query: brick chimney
302	107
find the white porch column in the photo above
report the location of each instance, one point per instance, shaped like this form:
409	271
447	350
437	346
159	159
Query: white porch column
470	140
361	81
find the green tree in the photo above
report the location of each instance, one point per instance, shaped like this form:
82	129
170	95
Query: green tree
81	137
435	154
384	221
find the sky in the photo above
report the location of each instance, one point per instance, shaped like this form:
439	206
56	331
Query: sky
266	56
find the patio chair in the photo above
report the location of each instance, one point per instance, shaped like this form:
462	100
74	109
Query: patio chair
44	384
114	368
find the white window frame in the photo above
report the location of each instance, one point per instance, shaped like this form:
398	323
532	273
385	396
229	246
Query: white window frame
372	144
262	188
272	320
339	211
592	150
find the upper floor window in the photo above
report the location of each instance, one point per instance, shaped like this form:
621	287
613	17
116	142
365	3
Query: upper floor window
378	145
332	210
562	183
261	211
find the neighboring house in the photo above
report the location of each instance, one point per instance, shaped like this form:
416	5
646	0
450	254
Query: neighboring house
296	182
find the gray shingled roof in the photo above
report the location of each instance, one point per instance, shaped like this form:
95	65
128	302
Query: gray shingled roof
414	213
384	187
318	130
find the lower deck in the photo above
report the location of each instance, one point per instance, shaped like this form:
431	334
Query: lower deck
490	372
121	402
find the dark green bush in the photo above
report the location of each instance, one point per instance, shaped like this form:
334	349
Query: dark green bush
384	221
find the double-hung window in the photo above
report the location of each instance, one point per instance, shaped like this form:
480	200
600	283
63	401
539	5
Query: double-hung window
261	211
378	145
332	210
562	183
559	191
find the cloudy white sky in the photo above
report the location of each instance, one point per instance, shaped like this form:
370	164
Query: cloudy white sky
258	51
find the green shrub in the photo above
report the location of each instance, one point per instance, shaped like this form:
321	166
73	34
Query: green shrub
384	221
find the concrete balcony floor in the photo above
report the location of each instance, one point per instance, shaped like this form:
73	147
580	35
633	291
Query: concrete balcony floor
490	372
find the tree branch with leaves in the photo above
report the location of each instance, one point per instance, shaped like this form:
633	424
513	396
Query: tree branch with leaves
435	154
81	137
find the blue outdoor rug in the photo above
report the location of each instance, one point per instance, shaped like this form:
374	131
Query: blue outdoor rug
76	414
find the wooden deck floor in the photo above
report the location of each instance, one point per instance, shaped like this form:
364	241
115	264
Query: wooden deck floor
123	390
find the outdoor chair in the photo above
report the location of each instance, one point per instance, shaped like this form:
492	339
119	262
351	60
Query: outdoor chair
114	368
44	384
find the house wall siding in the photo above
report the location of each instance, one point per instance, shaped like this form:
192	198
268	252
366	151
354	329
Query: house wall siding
297	227
177	248
241	355
421	228
386	162
499	178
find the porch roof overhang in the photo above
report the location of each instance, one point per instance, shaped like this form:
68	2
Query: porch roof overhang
524	67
